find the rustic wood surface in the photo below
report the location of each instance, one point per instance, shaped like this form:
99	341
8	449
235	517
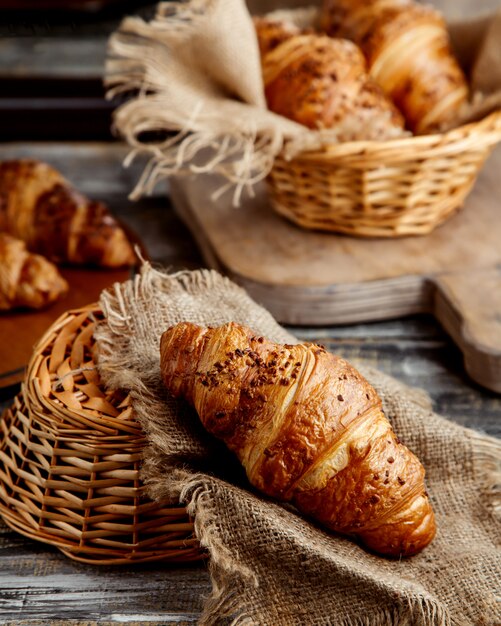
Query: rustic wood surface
55	45
468	305
75	47
38	585
276	253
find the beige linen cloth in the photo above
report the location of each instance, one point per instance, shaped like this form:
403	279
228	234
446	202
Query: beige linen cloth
268	565
197	70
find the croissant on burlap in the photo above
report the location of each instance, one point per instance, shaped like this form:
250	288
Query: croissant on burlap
308	429
323	83
26	279
40	207
408	52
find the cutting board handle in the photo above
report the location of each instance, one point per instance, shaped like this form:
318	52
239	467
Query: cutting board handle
468	305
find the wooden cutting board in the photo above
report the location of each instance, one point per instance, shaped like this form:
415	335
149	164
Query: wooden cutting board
20	330
313	278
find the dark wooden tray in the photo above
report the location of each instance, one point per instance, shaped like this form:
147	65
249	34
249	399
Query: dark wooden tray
20	330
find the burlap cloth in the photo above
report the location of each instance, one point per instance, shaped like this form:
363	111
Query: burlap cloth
197	71
268	565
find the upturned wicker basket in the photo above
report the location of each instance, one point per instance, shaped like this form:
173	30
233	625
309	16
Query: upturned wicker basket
383	189
69	460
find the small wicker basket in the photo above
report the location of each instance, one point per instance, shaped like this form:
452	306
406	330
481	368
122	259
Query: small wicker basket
69	460
384	189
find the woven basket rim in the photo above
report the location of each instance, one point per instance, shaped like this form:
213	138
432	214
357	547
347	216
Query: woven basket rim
489	127
70	455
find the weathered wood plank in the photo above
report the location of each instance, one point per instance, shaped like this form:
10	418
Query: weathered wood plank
37	582
76	49
49	45
261	248
46	57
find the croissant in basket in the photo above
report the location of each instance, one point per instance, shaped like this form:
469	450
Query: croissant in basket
40	207
322	83
408	52
308	429
26	279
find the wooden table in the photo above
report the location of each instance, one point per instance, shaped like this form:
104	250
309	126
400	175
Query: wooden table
38	585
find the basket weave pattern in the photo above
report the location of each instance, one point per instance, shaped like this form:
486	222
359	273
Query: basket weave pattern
69	460
383	189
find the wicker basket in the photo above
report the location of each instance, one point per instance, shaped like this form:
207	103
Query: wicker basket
69	461
384	189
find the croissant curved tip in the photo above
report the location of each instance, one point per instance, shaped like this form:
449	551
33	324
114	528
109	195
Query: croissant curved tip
403	538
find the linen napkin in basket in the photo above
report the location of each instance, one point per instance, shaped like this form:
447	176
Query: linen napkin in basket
197	69
269	566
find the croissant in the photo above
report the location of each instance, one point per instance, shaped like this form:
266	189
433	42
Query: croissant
271	33
26	279
308	429
322	83
408	51
40	207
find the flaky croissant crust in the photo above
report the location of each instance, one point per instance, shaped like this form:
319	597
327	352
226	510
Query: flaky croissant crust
26	279
407	48
39	206
307	427
321	82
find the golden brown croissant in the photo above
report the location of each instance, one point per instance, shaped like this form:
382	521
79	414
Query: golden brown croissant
271	33
26	279
408	52
40	207
322	83
307	427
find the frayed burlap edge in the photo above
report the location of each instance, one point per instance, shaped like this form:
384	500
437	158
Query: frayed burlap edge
241	152
238	138
112	339
224	601
228	578
195	490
